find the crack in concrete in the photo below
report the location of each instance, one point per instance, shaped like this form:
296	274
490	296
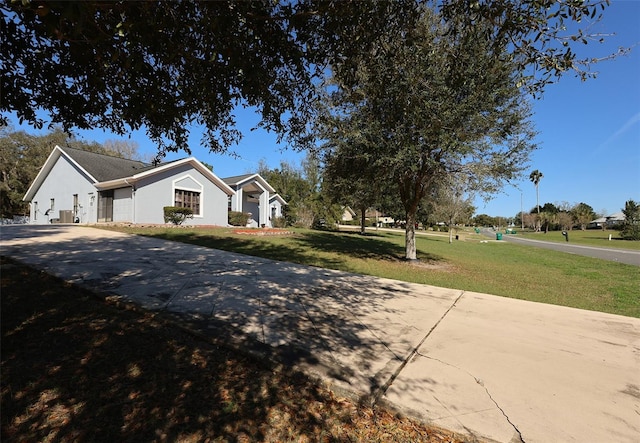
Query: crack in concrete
380	391
481	383
521	440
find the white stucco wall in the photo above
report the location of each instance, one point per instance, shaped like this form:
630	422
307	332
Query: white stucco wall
153	193
122	205
63	181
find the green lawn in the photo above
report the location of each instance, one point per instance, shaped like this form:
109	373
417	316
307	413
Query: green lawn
591	237
471	264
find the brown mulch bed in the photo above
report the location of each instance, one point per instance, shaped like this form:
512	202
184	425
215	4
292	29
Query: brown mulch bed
76	368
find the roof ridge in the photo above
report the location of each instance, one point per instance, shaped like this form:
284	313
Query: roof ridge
65	148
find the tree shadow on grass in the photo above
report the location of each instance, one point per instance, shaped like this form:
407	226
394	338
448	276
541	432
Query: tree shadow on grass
352	244
302	248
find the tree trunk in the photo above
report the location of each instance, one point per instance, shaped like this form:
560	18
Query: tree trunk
410	237
362	222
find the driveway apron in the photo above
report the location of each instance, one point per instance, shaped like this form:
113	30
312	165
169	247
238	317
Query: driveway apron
487	367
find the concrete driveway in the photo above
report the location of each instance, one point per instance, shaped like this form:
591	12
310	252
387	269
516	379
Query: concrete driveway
490	368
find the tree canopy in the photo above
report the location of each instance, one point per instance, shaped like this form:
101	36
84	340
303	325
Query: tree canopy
160	65
122	65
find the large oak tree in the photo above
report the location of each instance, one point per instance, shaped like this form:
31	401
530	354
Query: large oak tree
425	104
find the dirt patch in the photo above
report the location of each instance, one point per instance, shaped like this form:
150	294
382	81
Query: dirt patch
432	265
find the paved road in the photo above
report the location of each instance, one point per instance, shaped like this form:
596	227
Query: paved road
626	256
490	368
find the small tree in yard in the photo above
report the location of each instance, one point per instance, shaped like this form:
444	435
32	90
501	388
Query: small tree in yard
176	215
452	204
631	227
425	104
530	220
583	214
565	220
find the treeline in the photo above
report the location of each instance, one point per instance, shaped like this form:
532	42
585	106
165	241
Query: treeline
565	217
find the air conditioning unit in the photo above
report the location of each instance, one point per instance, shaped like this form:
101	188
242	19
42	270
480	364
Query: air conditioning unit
66	216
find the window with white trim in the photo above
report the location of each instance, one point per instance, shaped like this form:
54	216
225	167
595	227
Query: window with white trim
187	199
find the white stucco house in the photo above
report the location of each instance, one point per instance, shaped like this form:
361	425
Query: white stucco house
252	194
76	186
610	221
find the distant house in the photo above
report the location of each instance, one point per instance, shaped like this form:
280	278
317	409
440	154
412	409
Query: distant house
76	186
615	219
348	214
253	195
378	217
610	221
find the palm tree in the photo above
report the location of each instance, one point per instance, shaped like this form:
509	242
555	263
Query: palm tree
535	177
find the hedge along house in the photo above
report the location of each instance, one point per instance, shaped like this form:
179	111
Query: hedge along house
255	196
76	186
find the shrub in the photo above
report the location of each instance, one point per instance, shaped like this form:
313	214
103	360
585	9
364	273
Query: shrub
237	218
176	215
279	222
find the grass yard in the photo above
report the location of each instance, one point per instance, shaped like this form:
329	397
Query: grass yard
498	268
590	237
76	368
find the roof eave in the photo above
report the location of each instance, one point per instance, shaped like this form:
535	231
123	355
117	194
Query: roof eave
129	181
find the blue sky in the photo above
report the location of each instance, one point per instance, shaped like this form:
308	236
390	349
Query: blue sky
589	132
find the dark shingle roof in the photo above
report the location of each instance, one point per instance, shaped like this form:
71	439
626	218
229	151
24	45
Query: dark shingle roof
236	178
105	167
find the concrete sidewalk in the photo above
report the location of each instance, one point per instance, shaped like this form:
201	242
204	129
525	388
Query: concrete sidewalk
490	368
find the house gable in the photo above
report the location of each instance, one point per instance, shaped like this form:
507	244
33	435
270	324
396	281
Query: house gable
61	188
187	183
45	171
277	198
247	180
